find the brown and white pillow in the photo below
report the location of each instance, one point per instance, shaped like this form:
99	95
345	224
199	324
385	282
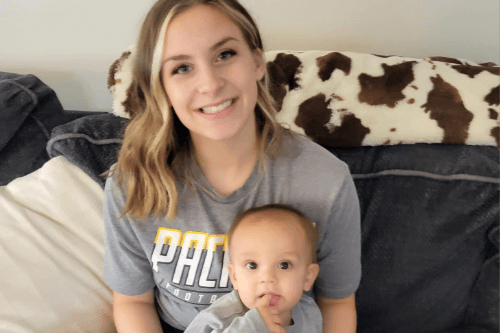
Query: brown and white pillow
346	99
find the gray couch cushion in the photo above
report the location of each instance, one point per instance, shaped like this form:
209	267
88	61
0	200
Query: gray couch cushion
428	247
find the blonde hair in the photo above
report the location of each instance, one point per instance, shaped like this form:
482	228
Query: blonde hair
155	142
306	224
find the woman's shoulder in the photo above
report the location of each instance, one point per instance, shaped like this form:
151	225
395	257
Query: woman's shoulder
111	188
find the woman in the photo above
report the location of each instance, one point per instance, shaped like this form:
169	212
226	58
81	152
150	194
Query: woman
203	146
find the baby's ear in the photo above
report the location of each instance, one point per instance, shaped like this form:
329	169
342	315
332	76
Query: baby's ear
232	276
311	275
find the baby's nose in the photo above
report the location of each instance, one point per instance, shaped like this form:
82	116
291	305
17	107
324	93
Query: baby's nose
268	275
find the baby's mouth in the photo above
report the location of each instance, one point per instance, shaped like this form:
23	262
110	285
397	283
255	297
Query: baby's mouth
274	301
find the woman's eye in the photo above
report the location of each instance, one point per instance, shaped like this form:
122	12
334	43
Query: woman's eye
182	69
251	265
226	55
285	265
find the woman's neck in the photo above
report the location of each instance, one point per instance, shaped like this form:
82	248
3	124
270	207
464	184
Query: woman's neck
230	155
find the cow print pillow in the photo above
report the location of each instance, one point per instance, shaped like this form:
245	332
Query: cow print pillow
346	99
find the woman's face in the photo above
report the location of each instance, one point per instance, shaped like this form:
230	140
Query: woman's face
210	75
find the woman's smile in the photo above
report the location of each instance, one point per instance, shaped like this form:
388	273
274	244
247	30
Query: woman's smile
220	111
216	107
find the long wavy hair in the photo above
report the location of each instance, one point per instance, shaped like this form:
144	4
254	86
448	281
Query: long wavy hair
155	142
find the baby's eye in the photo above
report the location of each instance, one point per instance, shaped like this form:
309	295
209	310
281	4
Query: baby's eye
251	265
285	265
226	55
182	69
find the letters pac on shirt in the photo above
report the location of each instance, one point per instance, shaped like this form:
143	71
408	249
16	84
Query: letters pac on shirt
195	263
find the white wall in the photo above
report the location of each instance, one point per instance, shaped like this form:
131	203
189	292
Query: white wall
70	44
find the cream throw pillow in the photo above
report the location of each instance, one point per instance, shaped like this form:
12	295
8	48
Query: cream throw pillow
51	253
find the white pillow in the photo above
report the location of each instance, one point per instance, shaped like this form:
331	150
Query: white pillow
51	253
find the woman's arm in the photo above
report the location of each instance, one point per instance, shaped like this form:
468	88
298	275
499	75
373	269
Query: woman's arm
136	313
339	315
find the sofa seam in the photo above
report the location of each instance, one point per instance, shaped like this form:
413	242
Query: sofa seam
34	98
53	140
393	172
424	174
42	127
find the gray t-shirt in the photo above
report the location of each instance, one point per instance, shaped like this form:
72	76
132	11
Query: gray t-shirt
228	314
185	260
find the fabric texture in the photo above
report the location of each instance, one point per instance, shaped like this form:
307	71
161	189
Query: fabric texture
91	142
429	257
228	314
483	308
52	244
29	110
184	259
347	99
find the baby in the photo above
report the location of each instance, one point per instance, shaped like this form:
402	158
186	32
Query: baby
272	261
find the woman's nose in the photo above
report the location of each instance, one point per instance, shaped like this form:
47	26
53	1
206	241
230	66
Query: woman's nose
209	80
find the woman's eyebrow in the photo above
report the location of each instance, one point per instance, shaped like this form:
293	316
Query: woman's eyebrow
212	48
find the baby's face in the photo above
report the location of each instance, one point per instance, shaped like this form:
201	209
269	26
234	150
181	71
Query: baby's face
270	255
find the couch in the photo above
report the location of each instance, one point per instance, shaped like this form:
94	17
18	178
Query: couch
421	139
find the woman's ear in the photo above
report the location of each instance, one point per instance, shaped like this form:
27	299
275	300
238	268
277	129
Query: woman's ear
260	64
232	276
311	275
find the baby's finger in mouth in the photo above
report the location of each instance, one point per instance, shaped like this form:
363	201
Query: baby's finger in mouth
274	301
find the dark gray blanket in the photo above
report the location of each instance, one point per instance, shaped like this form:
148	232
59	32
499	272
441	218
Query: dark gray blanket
29	110
91	143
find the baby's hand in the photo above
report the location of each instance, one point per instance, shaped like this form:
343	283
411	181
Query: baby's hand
269	315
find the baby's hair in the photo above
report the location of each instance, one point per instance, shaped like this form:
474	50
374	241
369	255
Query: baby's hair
307	225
